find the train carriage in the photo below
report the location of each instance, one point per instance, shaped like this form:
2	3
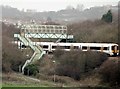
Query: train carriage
109	48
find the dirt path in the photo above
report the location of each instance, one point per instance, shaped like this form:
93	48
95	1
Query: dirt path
28	78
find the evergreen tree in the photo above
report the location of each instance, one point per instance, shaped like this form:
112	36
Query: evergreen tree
107	17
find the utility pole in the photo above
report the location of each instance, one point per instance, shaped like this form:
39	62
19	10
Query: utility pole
54	69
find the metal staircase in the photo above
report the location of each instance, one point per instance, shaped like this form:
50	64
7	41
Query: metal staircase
38	52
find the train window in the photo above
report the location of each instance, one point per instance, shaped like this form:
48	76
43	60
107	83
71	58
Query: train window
76	47
84	47
105	48
54	47
61	47
67	47
113	47
45	46
95	48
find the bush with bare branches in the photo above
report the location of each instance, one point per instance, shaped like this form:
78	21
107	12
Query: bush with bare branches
76	63
12	57
110	72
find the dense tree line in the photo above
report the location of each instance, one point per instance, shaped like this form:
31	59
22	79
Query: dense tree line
94	31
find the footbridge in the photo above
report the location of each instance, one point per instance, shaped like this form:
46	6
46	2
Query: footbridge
35	31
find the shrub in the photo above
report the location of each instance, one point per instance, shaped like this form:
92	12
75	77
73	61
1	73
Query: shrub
12	58
58	52
31	70
110	72
58	79
76	63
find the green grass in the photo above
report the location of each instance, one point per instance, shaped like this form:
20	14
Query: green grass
12	85
41	84
25	85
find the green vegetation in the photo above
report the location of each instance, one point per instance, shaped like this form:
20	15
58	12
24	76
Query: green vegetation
45	84
31	70
107	17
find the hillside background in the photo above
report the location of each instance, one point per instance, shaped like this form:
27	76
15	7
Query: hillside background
62	16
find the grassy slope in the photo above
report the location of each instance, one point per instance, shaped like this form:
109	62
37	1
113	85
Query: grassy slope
19	80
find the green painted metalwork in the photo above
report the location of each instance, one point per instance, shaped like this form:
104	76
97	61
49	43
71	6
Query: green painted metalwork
38	52
44	31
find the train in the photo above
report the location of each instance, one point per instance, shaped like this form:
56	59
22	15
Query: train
49	47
